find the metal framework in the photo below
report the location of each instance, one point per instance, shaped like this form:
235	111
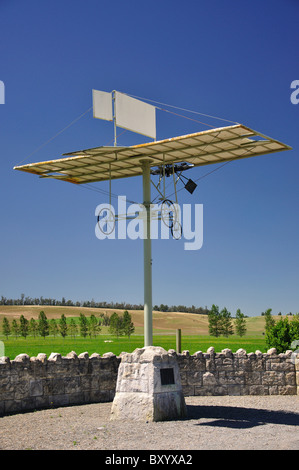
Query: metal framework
108	163
202	148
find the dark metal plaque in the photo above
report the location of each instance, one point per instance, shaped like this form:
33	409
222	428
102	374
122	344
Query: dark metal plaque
167	376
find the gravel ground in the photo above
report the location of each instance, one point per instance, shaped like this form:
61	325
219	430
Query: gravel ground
213	423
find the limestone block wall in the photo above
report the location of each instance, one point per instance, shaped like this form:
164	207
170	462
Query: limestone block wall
31	383
239	373
40	382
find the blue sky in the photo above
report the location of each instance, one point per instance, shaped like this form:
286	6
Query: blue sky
231	59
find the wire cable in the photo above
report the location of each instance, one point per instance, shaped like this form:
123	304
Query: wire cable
183	109
102	191
56	135
186	117
207	174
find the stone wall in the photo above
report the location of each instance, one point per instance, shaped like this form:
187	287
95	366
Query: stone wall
40	382
37	382
228	373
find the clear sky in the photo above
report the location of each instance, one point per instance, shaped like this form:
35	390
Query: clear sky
233	59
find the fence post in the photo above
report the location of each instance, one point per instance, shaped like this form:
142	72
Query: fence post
178	341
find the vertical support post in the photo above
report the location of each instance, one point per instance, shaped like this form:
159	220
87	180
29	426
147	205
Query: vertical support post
178	341
114	118
164	176
147	253
174	183
110	184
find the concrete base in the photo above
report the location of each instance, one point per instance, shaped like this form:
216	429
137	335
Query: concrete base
148	387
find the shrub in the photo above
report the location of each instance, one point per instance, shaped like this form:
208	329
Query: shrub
282	334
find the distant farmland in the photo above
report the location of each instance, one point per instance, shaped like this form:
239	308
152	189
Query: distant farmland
163	322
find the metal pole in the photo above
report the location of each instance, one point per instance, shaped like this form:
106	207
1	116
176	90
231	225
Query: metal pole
110	184
114	118
147	253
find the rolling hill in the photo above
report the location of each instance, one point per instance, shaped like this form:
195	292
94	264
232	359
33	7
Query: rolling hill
164	322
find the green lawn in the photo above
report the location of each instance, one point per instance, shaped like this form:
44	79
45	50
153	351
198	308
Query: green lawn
33	346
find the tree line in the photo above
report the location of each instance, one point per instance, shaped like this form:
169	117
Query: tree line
86	326
221	322
278	334
25	300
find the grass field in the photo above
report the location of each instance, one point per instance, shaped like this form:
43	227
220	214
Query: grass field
194	328
34	346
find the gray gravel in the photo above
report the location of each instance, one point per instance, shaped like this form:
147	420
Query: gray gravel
213	423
